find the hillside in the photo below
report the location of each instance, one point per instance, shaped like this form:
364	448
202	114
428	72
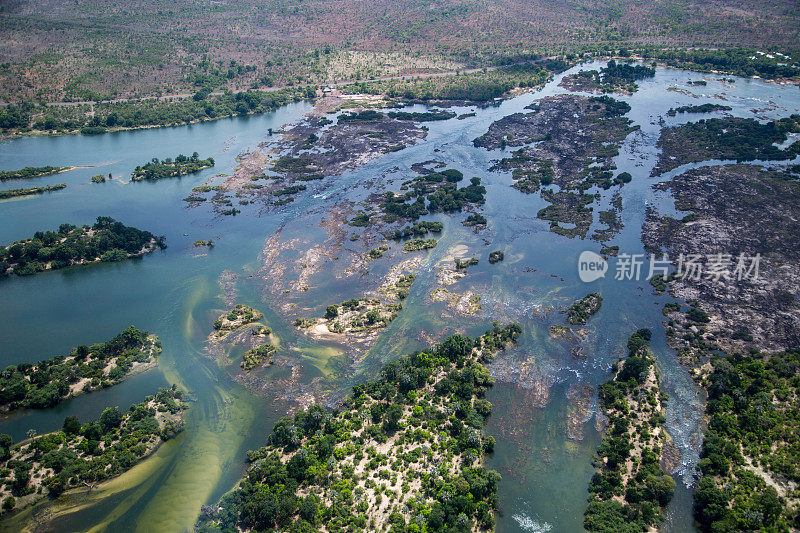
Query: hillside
81	50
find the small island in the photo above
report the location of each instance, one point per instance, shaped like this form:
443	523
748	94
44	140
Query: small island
580	311
354	316
475	221
630	490
417	229
419	244
465	263
81	455
106	241
30	191
257	356
408	444
31	172
613	78
85	369
496	256
238	317
702	108
169	168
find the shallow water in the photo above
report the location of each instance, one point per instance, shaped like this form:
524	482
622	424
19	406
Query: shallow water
175	294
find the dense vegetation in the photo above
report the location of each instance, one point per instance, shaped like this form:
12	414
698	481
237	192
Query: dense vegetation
431	193
83	454
419	244
106	240
325	467
614	77
702	108
84	369
112	116
737	61
475	86
427	116
474	220
581	310
628	458
740	139
417	229
496	256
257	356
169	168
30	172
29	191
751	451
239	316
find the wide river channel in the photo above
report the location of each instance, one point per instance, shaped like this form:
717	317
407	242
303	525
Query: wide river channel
176	294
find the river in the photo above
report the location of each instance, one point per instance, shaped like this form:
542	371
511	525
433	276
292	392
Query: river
175	293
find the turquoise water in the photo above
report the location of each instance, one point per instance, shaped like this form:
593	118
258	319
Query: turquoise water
175	294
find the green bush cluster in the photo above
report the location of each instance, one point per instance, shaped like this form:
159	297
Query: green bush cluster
496	256
13	193
474	220
418	229
145	113
738	61
432	400
752	415
427	116
255	357
30	172
419	244
169	168
580	311
702	108
431	193
106	240
741	139
94	451
46	383
632	408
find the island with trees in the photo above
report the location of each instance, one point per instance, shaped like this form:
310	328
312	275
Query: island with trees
236	318
739	139
31	172
615	77
105	241
582	310
83	454
404	452
171	168
356	315
84	369
30	191
702	108
496	256
630	490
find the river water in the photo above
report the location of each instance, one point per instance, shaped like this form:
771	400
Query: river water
175	294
